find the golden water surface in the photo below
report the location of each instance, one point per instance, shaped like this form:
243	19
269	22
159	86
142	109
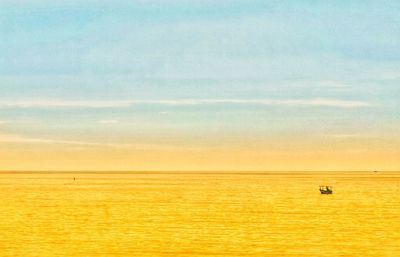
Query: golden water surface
271	214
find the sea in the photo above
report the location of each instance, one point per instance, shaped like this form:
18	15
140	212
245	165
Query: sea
173	214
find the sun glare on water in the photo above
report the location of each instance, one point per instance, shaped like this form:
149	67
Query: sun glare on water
273	214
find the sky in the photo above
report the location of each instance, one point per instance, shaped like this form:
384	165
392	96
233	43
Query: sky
200	85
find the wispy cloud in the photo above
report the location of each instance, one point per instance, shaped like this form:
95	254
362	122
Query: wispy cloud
20	139
12	138
322	102
334	84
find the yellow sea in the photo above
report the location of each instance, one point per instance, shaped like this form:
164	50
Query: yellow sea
199	214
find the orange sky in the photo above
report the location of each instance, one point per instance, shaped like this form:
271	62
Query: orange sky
278	156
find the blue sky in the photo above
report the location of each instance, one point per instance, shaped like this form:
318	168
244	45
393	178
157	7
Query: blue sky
199	73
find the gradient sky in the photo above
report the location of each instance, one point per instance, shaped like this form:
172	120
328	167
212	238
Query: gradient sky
199	85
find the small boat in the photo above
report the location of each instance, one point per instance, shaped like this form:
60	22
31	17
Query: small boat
326	190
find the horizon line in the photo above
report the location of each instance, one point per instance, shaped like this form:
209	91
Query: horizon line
185	171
